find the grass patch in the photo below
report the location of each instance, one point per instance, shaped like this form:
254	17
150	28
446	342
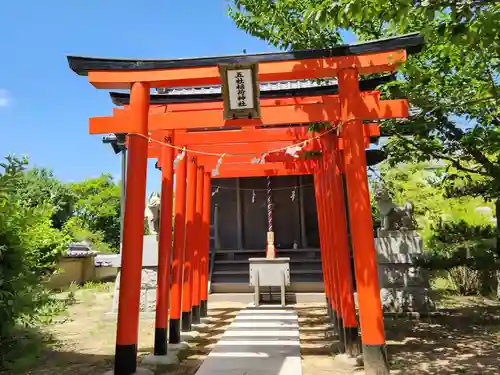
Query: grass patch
23	349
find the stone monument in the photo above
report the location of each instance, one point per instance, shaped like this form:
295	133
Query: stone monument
149	258
152	213
404	287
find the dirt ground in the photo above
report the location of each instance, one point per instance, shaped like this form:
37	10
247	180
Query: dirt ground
82	341
465	339
318	343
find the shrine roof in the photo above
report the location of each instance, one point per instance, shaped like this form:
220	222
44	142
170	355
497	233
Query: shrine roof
82	64
279	89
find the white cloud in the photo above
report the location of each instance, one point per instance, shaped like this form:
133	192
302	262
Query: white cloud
5	98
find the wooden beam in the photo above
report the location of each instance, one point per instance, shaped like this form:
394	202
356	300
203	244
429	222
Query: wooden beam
372	109
249	135
300	165
305	165
369	84
324	67
266	102
240	149
248	151
259	173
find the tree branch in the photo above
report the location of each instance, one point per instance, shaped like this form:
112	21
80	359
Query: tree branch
456	163
479	157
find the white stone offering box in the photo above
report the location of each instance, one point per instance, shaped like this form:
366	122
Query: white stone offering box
269	272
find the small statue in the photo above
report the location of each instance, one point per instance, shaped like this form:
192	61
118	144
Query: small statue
393	217
152	213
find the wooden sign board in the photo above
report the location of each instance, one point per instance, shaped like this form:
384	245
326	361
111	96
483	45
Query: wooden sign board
240	91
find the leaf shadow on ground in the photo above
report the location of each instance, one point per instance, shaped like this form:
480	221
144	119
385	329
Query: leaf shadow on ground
463	339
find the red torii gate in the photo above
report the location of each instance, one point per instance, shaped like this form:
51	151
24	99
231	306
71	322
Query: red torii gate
349	108
289	165
237	165
342	303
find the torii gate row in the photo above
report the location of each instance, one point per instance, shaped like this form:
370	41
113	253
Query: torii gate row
335	255
193	306
193	290
350	107
195	284
298	110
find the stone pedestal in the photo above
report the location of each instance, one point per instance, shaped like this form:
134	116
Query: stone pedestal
403	286
269	272
149	275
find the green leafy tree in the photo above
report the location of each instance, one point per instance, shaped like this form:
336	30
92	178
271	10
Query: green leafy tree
97	210
453	84
293	24
39	186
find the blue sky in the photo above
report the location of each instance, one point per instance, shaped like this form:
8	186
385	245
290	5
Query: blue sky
44	107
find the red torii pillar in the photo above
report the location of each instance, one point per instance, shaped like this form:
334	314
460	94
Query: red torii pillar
200	262
324	245
164	249
205	243
370	308
178	256
331	231
133	232
187	287
342	250
200	239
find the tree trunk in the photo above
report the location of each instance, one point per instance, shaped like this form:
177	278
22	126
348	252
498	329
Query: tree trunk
497	215
497	271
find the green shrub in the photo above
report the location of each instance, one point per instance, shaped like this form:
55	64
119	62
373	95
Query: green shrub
29	250
16	278
467	253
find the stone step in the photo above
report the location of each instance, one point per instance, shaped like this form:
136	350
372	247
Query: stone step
245	261
257	350
248	297
292	272
263	251
240	267
287	253
241	278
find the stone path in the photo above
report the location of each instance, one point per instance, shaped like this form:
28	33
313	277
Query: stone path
262	341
